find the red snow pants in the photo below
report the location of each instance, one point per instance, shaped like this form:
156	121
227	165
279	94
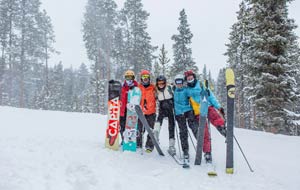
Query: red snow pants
217	121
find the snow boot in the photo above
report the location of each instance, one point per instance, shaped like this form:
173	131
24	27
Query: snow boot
149	149
186	161
208	157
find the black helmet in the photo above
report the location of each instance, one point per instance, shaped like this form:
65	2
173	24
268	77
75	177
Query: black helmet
161	78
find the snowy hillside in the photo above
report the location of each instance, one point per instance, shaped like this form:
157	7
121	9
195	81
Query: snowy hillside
45	150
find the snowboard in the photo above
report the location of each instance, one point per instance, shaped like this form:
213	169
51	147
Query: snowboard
113	124
142	118
131	130
230	86
203	116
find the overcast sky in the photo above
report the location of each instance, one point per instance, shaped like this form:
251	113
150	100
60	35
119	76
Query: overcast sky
210	22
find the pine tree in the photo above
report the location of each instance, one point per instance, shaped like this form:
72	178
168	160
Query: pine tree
182	52
163	60
204	73
220	89
99	31
56	88
156	69
271	67
138	40
237	59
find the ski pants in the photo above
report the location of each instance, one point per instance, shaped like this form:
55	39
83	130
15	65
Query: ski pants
122	125
139	140
162	113
217	121
183	130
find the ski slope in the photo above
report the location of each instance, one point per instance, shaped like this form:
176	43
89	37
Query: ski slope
47	150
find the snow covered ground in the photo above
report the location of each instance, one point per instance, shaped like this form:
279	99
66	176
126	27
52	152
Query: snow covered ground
46	150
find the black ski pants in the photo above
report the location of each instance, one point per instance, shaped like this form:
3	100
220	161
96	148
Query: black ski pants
162	113
187	117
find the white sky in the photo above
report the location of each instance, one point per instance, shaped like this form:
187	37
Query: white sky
210	22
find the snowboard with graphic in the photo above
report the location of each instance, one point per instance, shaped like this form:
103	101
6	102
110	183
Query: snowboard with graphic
113	124
131	130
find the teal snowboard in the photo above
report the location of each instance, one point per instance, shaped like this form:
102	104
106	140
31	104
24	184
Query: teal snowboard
131	130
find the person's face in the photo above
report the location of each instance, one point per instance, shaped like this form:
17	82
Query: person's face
161	84
145	78
190	78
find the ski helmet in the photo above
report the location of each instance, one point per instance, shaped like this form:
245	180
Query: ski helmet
190	83
179	79
129	73
161	78
189	73
145	72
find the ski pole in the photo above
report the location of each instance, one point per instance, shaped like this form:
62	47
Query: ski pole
191	140
179	147
243	154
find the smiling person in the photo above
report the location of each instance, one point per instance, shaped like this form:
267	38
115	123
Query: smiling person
148	105
165	109
184	113
214	116
129	84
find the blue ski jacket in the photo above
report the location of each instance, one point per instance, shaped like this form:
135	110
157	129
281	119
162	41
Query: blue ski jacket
181	101
194	97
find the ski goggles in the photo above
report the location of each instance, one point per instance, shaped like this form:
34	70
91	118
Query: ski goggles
129	77
145	77
180	81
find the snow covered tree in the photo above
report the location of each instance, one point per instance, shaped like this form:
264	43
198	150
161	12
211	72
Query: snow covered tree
271	65
99	31
204	73
220	89
163	60
156	70
138	40
56	88
237	58
182	52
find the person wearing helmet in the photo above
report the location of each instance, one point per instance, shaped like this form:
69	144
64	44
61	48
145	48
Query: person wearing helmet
184	113
129	84
165	109
194	89
148	105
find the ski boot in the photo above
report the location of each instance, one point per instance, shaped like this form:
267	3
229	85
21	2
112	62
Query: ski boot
186	161
149	149
172	150
208	157
222	130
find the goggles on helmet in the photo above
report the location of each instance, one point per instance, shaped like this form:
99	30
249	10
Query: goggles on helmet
145	77
129	77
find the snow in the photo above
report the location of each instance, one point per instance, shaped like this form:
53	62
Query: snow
47	150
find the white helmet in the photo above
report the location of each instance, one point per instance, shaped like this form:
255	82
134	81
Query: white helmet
179	79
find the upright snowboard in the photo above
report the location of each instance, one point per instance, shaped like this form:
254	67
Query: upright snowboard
147	127
230	85
131	132
203	116
113	124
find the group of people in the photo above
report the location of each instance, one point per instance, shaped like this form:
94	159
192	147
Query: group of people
180	102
